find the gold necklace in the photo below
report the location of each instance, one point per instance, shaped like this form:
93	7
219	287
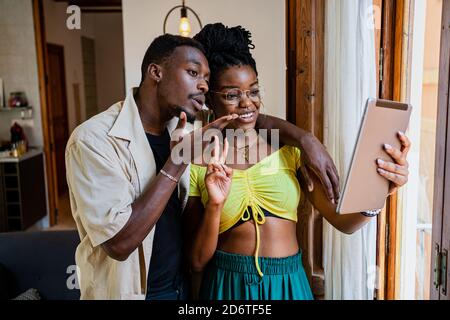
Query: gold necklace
247	147
246	152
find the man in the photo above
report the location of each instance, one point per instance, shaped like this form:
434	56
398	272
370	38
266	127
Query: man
126	193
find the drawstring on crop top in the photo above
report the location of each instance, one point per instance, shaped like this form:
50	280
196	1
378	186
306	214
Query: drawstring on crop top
259	219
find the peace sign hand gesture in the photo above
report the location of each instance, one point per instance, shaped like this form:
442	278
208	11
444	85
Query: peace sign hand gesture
218	175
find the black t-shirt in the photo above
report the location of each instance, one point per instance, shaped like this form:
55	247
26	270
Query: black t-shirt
165	264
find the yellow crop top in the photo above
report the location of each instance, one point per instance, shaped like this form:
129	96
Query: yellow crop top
270	184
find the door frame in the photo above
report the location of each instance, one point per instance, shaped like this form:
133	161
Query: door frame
391	77
397	25
305	26
59	49
42	64
441	201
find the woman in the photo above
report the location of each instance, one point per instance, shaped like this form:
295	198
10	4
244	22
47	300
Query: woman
241	219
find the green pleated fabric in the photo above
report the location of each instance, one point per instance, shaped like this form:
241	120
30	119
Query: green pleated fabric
235	277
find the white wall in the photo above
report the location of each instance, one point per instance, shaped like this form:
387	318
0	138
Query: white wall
106	30
109	58
143	21
18	69
57	33
18	66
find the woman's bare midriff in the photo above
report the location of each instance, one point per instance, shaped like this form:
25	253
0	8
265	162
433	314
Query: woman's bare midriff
278	239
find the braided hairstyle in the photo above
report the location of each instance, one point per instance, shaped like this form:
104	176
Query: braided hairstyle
226	47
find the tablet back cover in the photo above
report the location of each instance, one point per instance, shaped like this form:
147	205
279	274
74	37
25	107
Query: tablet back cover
364	188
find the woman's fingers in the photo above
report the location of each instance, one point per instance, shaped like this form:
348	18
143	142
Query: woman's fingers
214	167
210	169
224	155
217	156
392	167
398	156
406	143
228	170
397	179
216	150
396	172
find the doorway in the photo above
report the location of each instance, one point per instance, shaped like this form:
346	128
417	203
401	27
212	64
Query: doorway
56	91
415	69
72	89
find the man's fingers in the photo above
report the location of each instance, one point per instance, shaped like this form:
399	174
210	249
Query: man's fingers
182	122
179	131
332	174
326	182
328	187
309	182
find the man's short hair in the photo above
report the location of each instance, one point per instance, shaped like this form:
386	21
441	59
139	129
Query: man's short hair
162	48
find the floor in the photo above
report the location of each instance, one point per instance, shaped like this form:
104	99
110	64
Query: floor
65	219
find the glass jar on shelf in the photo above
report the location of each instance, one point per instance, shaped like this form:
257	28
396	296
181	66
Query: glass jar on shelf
17	99
15	150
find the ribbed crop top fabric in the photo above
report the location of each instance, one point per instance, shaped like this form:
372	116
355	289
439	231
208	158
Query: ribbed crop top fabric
271	184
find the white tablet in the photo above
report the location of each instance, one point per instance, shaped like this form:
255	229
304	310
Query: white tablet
364	188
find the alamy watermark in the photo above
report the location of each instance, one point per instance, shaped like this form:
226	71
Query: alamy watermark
72	280
196	147
73	21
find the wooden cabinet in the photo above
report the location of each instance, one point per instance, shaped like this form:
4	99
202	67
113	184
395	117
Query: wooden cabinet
22	192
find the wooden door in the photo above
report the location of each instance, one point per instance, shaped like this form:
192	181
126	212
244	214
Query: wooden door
396	51
389	48
393	51
305	59
440	282
56	91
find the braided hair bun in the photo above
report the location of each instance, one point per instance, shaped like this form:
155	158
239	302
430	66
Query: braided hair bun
226	47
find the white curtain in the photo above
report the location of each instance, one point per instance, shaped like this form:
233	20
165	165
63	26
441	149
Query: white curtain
350	78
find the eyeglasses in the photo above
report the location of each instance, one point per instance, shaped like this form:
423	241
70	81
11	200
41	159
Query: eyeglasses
234	96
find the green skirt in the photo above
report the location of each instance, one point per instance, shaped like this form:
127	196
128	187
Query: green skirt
234	277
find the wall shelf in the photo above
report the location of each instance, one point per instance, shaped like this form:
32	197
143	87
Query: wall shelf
25	112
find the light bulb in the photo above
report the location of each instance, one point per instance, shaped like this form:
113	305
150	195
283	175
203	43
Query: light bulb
185	27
